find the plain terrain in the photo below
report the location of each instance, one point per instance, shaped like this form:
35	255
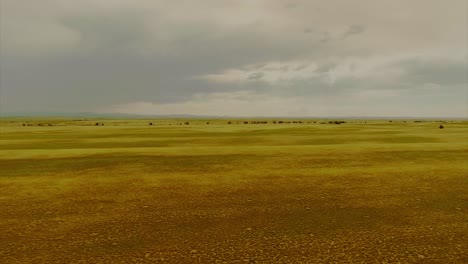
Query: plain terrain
127	192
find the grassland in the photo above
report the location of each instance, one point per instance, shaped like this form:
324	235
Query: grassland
127	192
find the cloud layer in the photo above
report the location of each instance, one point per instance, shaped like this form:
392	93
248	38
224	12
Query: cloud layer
243	58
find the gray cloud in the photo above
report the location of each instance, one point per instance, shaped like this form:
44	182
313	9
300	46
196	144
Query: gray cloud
256	76
291	5
354	30
446	73
88	55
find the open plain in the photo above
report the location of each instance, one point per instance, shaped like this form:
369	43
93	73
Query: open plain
222	191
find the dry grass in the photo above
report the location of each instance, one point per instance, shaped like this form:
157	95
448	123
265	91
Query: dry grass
127	192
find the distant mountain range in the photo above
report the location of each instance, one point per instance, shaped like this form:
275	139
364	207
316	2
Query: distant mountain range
123	115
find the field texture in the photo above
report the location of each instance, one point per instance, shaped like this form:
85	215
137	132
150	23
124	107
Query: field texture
128	192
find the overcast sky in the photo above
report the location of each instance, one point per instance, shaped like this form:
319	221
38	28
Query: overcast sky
236	57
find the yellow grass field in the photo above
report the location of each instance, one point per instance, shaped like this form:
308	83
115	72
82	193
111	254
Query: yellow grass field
127	192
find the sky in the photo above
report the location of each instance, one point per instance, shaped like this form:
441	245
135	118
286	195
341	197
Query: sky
329	58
